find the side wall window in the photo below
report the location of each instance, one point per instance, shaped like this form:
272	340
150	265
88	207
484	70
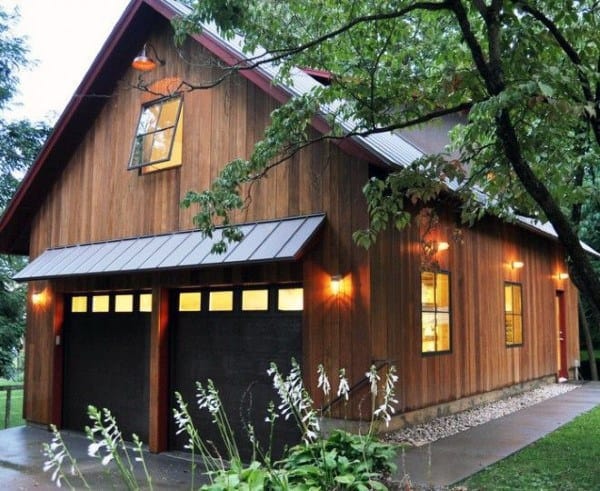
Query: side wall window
158	140
435	312
513	314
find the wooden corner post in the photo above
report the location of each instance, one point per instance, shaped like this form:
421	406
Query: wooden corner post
159	370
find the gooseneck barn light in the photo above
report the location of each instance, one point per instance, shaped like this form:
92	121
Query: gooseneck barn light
143	62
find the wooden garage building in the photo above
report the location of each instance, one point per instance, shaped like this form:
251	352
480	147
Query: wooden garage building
127	303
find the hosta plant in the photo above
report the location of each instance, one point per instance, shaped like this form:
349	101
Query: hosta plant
338	461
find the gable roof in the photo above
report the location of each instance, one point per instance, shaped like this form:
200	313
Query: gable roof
127	37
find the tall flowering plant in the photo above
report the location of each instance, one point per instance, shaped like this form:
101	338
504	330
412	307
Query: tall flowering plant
340	460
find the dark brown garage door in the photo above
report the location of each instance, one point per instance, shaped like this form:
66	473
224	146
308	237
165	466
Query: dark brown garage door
106	356
232	336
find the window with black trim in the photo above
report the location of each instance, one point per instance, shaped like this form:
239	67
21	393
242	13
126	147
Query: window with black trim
110	302
513	314
435	312
290	299
159	136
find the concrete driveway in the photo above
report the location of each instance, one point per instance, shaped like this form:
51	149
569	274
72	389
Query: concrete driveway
22	461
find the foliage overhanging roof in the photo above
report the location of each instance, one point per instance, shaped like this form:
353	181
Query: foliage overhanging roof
124	42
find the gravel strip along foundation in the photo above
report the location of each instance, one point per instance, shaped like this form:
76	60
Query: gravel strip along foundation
444	426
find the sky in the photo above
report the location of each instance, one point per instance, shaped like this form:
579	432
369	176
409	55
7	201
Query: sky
64	37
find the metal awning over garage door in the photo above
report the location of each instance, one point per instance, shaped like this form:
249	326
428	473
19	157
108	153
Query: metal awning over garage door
275	240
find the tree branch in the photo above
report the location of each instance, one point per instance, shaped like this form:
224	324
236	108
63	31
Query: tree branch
567	48
475	48
465	106
271	56
293	150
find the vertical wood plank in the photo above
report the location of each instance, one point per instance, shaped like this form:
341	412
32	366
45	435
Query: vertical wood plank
58	303
159	370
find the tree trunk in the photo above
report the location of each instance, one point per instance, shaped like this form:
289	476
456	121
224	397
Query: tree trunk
583	274
585	327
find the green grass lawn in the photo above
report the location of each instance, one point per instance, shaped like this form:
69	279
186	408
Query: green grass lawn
16	405
584	355
565	460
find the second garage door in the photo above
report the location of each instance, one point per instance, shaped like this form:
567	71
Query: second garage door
231	337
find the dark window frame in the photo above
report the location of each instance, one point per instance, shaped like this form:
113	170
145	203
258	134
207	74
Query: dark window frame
68	299
139	136
513	315
435	309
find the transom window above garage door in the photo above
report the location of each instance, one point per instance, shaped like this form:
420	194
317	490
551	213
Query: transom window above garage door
111	302
251	299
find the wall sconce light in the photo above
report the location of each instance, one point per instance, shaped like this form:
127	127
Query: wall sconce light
517	264
38	299
336	284
562	276
143	62
430	248
442	246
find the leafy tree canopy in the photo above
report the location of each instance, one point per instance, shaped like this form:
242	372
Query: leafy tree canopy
525	74
20	142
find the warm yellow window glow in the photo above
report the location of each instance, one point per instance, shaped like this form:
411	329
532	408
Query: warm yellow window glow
145	302
435	312
290	299
124	303
159	137
220	301
513	314
79	304
190	302
255	300
100	303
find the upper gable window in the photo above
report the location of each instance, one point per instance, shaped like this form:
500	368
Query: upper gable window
158	138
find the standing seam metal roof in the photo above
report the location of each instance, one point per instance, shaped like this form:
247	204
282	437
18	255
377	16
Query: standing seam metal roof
274	240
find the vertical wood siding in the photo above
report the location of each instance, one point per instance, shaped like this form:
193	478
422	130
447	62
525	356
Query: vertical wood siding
479	264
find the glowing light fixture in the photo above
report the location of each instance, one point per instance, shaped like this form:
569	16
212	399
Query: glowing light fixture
431	248
442	246
39	298
562	276
145	63
336	284
517	264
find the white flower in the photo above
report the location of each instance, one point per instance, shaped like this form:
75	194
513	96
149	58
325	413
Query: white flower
323	381
107	458
295	400
55	476
344	387
373	379
208	398
386	409
93	448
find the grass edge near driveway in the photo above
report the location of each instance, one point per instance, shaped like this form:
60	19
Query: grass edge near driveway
566	459
584	356
16	405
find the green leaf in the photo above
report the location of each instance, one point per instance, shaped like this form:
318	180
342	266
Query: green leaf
346	479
